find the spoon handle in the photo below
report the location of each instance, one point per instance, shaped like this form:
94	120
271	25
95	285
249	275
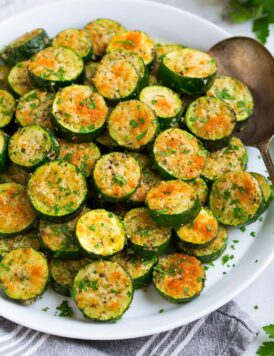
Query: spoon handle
264	149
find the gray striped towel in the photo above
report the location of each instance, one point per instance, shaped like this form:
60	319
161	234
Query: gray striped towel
225	332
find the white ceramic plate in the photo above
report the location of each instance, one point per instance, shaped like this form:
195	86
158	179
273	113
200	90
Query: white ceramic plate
251	255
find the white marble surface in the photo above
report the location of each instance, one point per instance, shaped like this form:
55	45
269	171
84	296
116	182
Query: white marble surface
260	293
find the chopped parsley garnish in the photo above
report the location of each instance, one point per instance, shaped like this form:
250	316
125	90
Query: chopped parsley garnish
119	179
64	309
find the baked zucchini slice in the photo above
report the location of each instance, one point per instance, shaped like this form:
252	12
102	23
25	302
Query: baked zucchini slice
178	277
187	71
200	233
79	114
31	146
25	47
16	213
15	174
166	104
55	67
18	79
231	158
34	108
89	73
211	252
4	72
136	41
57	191
236	199
133	125
101	32
77	40
63	273
211	120
236	94
173	203
139	268
100	233
200	188
178	154
116	176
266	188
7	108
163	48
145	237
103	291
24	275
4	139
106	143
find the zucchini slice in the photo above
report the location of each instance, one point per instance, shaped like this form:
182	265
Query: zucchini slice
200	232
25	47
55	67
106	143
15	174
187	71
89	73
79	114
34	108
212	120
231	158
141	158
116	176
77	40
16	213
136	41
236	199
7	108
4	139
57	191
133	125
4	72
18	79
266	188
145	237
178	277
178	154
166	104
163	48
140	269
24	275
31	146
103	291
101	32
236	94
63	274
100	233
201	189
211	252
173	203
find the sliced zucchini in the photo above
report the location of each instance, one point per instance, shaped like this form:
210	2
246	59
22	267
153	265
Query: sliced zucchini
15	174
178	277
173	203
266	188
24	274
63	274
103	291
100	233
18	79
89	73
34	108
4	72
200	232
141	158
139	268
118	209
236	199
57	191
163	48
212	120
7	108
236	94
211	252
4	139
178	154
16	213
116	176
187	71
101	32
166	104
31	146
231	158
133	125
106	143
201	189
25	46
145	237
136	41
77	40
55	67
79	114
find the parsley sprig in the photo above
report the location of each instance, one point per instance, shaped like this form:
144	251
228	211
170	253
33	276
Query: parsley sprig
267	348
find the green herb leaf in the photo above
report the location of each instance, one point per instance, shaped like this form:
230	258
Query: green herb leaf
267	349
64	309
269	329
119	179
141	135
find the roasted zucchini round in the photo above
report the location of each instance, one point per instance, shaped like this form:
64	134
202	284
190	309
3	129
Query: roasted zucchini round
18	79
200	188
266	188
7	108
4	139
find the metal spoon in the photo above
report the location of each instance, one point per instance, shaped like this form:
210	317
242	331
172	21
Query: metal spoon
249	61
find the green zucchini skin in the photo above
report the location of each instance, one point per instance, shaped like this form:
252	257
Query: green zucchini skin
25	47
18	79
4	139
266	188
7	108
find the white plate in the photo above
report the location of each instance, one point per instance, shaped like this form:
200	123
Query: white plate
143	318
